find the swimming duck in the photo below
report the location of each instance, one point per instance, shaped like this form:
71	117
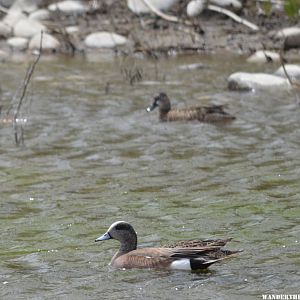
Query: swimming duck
183	255
207	114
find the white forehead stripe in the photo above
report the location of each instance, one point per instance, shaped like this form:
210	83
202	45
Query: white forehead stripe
115	224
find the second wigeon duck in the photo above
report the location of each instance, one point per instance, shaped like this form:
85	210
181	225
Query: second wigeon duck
207	114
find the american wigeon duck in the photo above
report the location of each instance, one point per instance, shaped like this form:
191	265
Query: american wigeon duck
207	114
183	255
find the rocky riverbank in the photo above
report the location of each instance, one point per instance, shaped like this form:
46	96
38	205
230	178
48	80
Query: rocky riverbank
72	27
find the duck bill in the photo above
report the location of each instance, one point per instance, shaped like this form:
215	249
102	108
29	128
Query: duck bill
152	107
104	237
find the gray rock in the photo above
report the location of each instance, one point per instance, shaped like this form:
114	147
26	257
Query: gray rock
139	7
292	41
40	15
195	7
28	28
289	31
49	42
6	3
263	56
18	43
69	7
291	37
292	70
251	81
104	40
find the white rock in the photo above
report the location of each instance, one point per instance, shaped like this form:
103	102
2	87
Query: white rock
191	67
27	6
104	40
139	7
69	7
227	3
263	56
28	28
13	16
292	70
40	15
288	32
5	30
72	29
250	81
195	8
49	42
18	43
16	11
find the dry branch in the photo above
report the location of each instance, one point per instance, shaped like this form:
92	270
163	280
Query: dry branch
294	84
233	16
163	15
23	89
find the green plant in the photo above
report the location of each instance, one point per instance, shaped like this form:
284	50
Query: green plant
291	8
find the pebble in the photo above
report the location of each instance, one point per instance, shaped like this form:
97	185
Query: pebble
190	67
139	7
292	70
28	28
40	15
104	39
263	56
69	7
18	43
289	31
72	29
195	8
49	42
250	81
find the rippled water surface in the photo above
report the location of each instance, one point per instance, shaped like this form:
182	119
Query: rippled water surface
92	156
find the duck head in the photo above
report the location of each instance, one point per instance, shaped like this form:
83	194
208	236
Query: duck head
122	232
162	101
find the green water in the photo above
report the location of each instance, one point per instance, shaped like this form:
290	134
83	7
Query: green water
91	158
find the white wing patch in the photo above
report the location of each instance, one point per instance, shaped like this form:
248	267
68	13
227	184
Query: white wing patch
181	264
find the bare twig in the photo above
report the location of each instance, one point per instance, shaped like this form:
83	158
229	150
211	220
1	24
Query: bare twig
163	15
24	87
294	85
233	16
283	67
280	2
218	9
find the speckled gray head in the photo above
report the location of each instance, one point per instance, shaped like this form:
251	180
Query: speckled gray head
156	102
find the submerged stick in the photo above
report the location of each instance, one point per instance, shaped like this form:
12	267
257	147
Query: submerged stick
24	87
